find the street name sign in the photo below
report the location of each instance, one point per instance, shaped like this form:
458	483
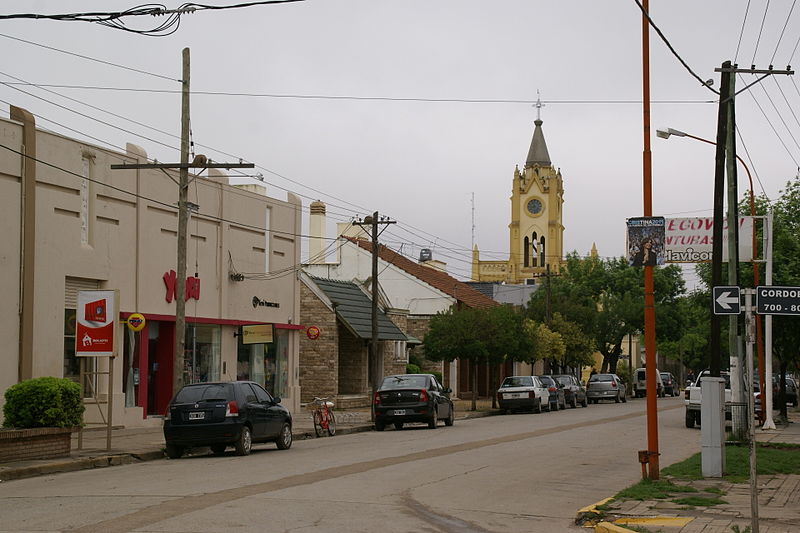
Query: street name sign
774	300
727	301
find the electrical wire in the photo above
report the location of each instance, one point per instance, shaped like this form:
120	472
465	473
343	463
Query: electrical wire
760	32
772	59
780	116
741	33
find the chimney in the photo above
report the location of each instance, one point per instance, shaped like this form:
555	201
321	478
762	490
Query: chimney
316	240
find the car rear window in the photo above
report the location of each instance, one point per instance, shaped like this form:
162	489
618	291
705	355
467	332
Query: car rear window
640	375
602	377
547	381
405	382
564	380
517	381
205	392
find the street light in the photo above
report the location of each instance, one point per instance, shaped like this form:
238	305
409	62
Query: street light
666	134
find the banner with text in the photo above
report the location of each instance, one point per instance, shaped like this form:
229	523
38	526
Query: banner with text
689	240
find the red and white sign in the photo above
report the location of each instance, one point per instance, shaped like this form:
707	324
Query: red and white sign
97	315
689	240
312	332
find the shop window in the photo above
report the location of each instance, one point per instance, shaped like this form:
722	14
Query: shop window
72	363
202	353
266	363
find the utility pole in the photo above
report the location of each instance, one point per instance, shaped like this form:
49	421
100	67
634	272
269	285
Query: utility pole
375	366
202	163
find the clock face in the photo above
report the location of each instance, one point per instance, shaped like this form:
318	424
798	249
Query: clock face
534	206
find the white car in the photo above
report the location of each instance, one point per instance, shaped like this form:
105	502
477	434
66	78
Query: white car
523	392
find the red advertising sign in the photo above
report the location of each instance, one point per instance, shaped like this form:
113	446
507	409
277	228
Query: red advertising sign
97	315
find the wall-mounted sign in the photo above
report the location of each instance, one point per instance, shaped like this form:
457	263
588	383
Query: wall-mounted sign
192	289
257	334
136	322
97	314
312	332
258	302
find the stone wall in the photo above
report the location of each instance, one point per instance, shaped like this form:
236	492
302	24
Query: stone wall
353	364
318	357
35	443
418	327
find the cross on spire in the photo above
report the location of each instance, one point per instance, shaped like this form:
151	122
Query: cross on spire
538	105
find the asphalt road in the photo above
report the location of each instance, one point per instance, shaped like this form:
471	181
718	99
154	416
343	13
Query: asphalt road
513	473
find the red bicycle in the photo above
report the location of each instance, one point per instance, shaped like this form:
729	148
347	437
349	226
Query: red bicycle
324	419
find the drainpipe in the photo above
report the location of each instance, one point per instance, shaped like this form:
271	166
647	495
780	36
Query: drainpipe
27	240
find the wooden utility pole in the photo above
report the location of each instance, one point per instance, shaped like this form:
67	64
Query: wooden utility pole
375	368
202	163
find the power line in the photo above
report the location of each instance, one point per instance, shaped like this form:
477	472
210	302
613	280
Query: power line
760	31
741	33
772	60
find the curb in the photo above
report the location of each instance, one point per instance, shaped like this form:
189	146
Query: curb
608	527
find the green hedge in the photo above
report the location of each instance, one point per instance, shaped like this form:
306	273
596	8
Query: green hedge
43	402
411	368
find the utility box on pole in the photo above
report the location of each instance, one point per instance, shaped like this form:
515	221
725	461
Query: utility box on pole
712	427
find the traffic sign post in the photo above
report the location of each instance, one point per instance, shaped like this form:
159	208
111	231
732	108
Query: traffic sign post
774	300
727	300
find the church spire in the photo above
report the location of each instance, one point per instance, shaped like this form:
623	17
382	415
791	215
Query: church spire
538	155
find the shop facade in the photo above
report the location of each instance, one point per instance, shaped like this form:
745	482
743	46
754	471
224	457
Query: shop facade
74	224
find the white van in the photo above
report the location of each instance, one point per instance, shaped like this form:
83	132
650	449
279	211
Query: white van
640	383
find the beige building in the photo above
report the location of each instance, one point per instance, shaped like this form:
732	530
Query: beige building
536	231
72	223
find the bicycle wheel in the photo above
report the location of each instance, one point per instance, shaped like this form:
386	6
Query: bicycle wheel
331	424
318	424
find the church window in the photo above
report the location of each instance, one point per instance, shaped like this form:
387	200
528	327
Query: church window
541	251
527	252
533	249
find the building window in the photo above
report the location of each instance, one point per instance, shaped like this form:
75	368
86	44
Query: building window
267	364
400	351
72	363
85	199
202	353
541	251
527	253
534	253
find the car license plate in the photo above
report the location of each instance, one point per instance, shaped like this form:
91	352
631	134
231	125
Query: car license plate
399	412
510	395
197	415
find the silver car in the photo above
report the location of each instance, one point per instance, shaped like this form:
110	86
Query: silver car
605	387
523	392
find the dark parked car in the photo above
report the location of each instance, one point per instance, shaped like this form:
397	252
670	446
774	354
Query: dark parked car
605	387
412	398
218	415
522	392
558	399
574	392
670	384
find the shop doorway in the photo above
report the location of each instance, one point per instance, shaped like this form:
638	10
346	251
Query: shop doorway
161	341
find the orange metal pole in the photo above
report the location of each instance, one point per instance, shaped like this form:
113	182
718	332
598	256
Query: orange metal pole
649	300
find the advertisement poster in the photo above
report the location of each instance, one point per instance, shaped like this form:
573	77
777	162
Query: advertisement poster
689	240
97	316
645	241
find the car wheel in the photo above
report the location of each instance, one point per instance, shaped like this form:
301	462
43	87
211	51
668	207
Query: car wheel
616	398
331	424
245	442
689	419
398	426
174	451
218	449
554	407
284	441
451	418
574	402
563	406
503	411
624	399
584	403
434	421
538	407
379	426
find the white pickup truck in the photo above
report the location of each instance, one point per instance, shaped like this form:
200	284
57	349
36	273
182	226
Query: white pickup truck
693	397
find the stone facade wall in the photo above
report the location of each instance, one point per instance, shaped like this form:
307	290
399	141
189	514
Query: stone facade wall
318	357
353	357
394	362
417	327
36	443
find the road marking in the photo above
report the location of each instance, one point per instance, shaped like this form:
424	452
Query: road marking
189	504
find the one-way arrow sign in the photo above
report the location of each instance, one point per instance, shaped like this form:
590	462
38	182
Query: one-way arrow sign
727	301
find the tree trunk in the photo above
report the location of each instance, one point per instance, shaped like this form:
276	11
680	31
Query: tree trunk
475	385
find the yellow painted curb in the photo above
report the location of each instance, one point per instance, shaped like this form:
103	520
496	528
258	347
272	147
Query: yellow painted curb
667	521
608	527
593	508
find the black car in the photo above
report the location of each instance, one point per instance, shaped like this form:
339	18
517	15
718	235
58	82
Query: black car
670	384
412	398
218	415
574	392
558	398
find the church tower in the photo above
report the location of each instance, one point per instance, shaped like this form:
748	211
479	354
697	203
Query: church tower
536	231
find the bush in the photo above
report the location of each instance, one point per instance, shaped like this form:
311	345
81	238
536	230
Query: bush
411	368
43	402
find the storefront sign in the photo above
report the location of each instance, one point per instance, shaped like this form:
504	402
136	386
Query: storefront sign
192	289
257	334
136	322
97	316
312	332
258	302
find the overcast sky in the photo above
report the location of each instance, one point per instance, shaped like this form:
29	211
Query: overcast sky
413	159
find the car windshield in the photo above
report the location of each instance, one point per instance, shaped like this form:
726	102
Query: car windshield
664	376
602	377
517	381
547	381
405	382
564	380
205	393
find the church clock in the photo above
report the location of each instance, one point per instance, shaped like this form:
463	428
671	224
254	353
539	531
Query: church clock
534	206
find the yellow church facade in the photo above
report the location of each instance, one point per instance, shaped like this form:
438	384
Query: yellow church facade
536	231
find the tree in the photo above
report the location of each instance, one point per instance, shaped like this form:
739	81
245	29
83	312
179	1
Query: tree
578	347
547	343
481	336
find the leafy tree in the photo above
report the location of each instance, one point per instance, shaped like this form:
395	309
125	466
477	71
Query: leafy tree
481	336
578	347
547	343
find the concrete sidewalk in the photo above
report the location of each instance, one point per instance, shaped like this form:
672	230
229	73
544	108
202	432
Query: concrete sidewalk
130	445
778	501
